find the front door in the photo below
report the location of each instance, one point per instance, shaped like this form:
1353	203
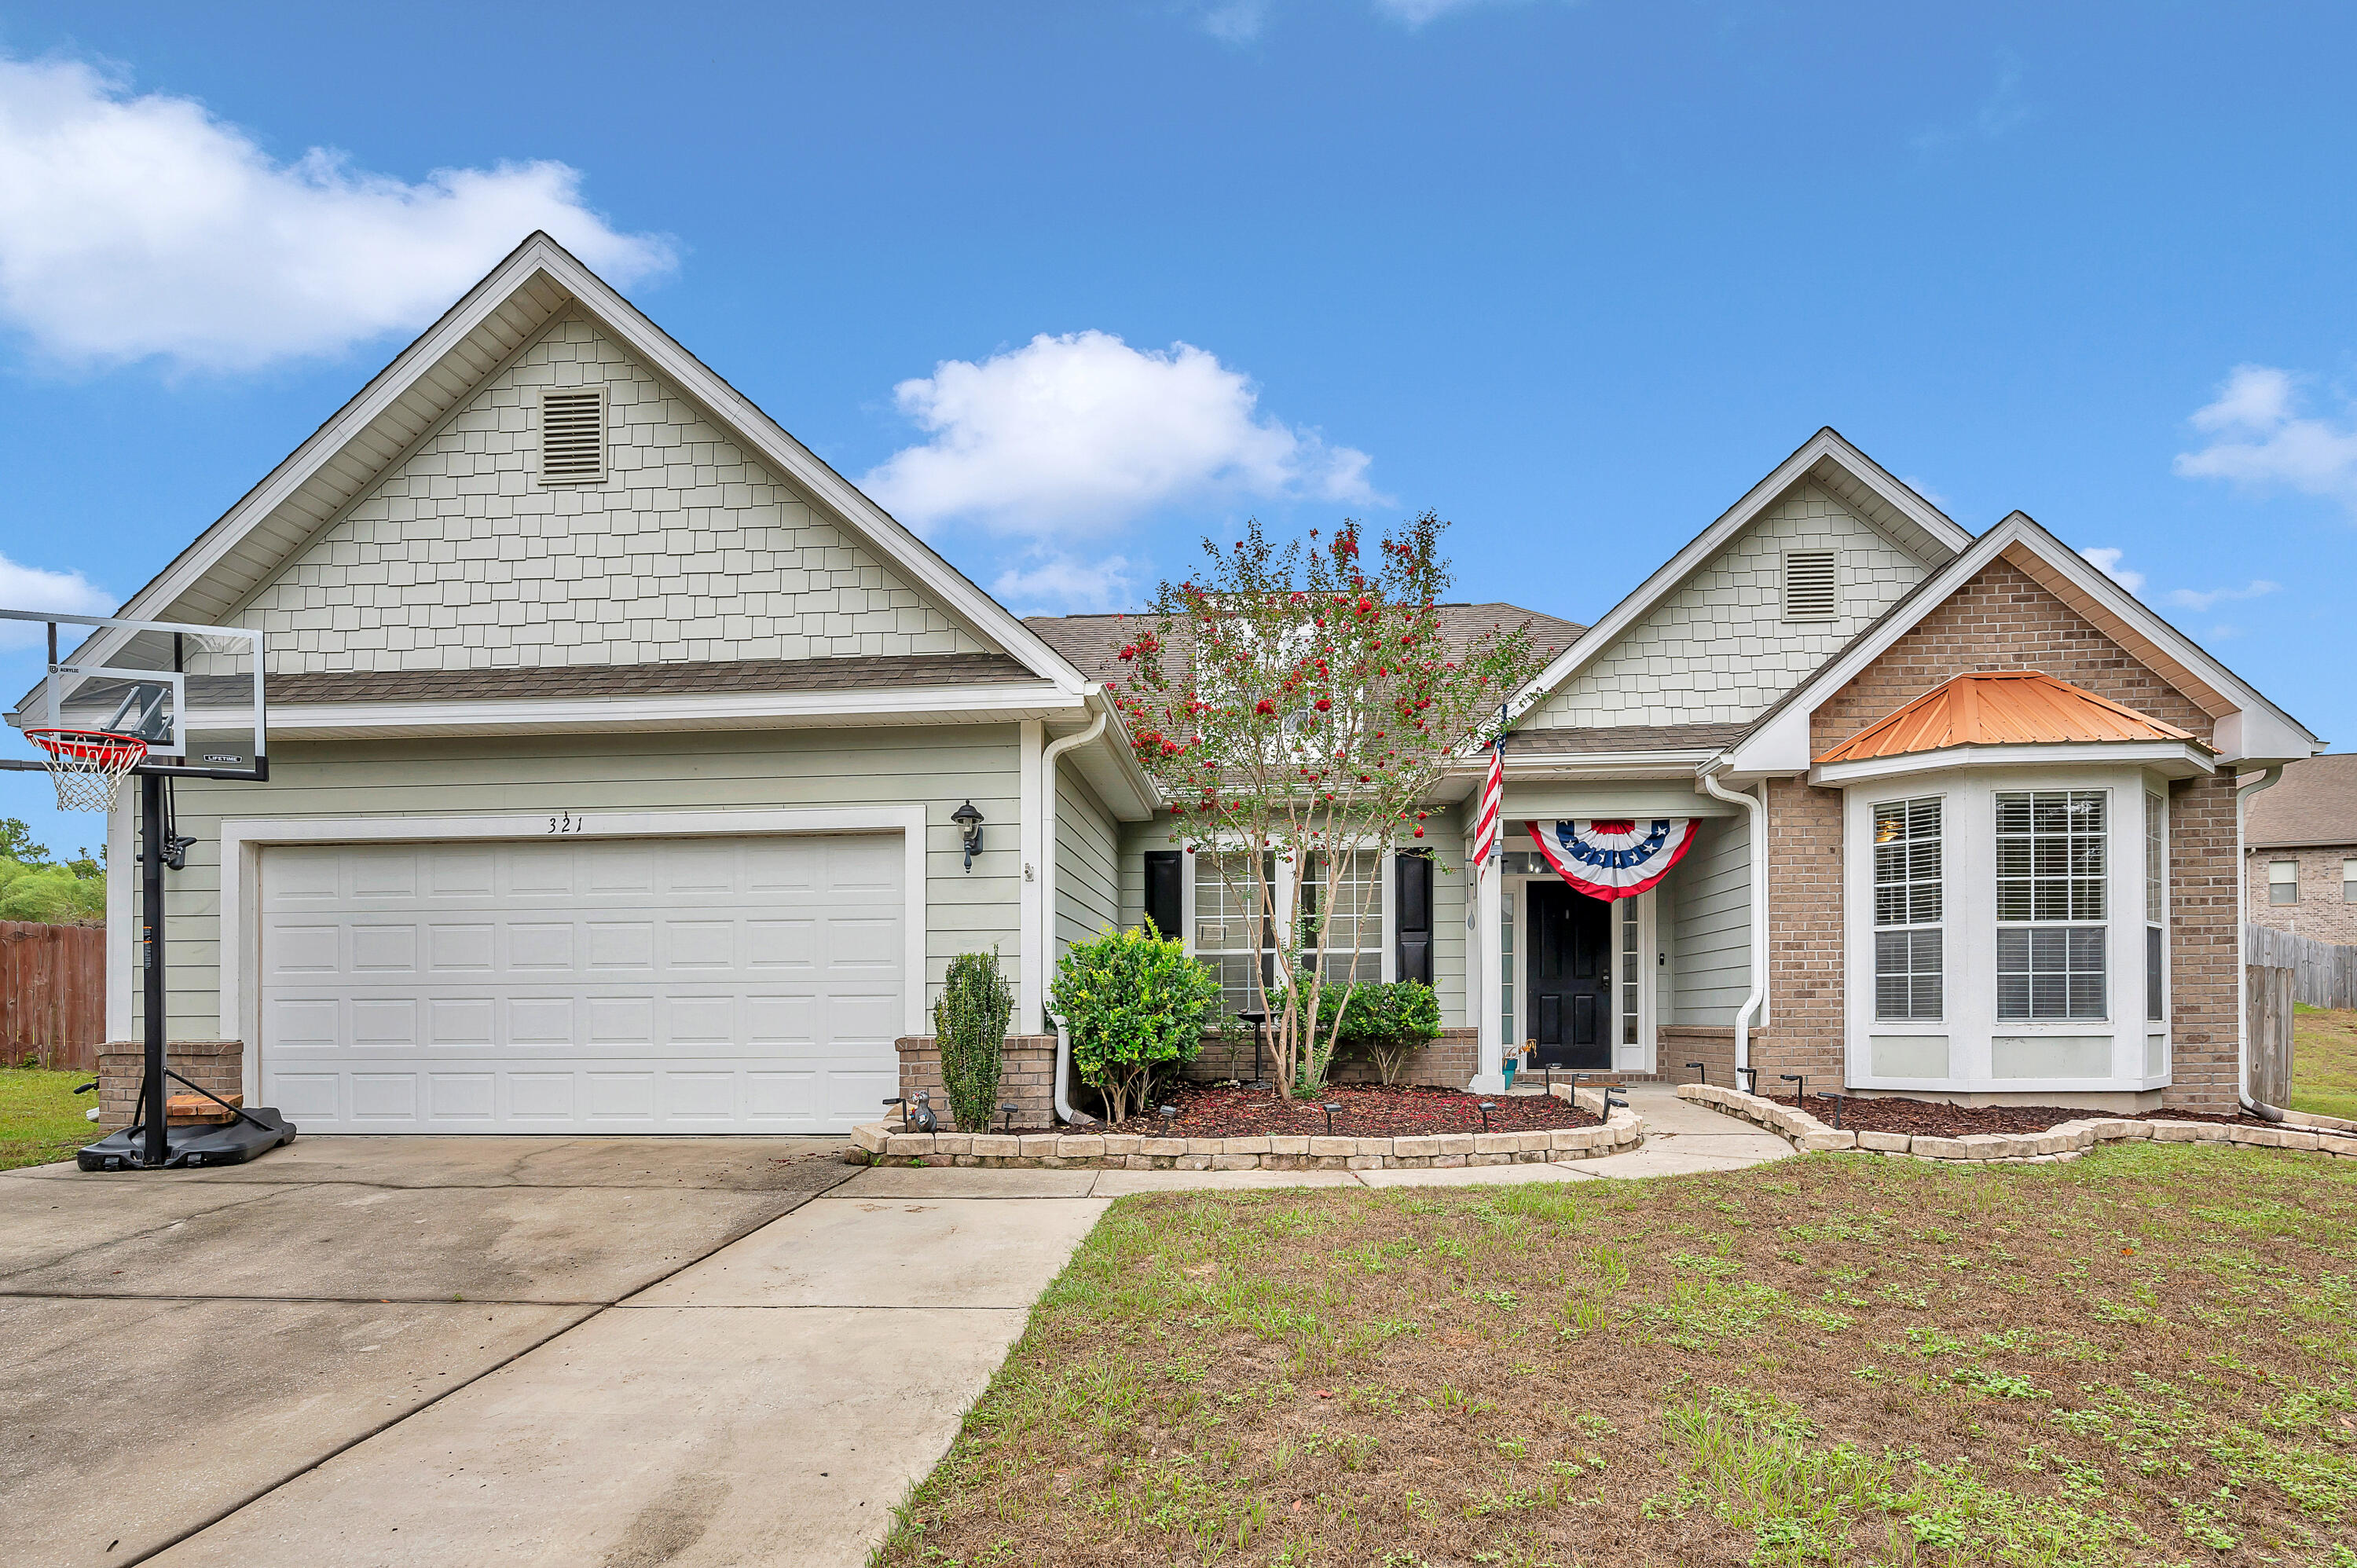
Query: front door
1570	994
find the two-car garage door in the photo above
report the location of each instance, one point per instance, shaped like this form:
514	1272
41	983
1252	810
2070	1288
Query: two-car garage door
581	985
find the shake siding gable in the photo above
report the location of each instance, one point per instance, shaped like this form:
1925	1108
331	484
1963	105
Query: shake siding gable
1718	649
458	558
2003	620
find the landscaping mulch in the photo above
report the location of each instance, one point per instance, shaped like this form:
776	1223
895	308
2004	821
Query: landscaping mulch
1882	1113
1367	1111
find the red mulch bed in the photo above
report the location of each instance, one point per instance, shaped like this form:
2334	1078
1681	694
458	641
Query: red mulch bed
1367	1111
1884	1114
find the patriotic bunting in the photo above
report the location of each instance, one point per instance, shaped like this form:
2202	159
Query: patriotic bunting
1614	857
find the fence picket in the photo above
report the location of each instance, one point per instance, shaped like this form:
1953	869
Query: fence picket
52	994
2324	974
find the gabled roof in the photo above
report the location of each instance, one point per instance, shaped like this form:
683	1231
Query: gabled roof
2249	728
2020	707
407	401
1091	642
2315	803
1826	459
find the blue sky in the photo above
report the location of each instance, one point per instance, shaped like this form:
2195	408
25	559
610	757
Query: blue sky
1072	285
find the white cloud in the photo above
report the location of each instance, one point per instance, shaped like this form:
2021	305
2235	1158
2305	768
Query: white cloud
1416	13
1061	585
2259	439
2203	600
1242	22
2001	112
133	226
1082	432
1928	493
1237	22
2105	559
34	589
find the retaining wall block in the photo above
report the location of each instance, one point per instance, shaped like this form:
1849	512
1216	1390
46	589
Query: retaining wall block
1889	1143
1814	1142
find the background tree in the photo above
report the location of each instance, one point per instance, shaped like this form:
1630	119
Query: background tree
1299	707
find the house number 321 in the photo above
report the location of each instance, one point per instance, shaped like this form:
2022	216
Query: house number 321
566	823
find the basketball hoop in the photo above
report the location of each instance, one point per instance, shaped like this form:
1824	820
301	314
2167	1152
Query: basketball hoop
87	765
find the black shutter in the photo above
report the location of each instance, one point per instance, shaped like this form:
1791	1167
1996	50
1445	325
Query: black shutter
1164	904
1412	917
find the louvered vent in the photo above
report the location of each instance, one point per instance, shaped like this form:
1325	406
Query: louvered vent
1809	590
572	437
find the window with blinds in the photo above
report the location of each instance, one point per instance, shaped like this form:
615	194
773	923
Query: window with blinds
1909	967
573	437
2052	854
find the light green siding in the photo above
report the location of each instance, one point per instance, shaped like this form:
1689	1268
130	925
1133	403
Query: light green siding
1708	925
936	768
1452	891
1088	889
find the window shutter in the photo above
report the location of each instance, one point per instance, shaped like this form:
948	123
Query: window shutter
1412	917
1164	904
572	437
1809	591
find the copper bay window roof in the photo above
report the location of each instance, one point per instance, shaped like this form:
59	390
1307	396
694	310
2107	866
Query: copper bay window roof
2011	707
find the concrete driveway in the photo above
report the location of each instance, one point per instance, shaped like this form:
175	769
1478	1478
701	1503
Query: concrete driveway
576	1350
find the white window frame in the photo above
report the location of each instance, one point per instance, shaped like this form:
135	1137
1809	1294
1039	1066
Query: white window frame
1515	906
1282	891
1938	926
2291	882
2107	923
2348	881
1970	1032
2157	832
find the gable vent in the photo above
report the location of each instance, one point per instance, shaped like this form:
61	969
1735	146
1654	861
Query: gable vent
572	437
1809	590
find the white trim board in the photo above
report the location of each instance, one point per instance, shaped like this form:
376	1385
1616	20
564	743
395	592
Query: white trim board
1826	445
243	840
978	703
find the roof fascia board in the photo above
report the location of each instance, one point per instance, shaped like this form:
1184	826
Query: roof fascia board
2178	758
967	704
900	546
1780	746
1699	550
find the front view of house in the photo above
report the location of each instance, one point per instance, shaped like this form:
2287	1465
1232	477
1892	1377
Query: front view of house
631	771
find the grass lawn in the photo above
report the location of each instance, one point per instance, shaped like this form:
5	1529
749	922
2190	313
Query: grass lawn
40	1117
2324	1061
2148	1355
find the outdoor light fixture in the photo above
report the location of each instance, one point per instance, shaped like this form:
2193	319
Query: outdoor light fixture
1486	1107
1006	1114
1752	1074
1801	1094
1255	1020
900	1100
1702	1073
1169	1114
969	821
1330	1107
1837	1100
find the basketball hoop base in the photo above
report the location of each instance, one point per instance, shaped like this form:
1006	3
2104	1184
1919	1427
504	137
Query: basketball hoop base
259	1132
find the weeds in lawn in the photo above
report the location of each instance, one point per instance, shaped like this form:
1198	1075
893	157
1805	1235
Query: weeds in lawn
1591	1375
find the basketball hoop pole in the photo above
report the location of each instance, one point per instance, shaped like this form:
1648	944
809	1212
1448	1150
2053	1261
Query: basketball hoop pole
151	923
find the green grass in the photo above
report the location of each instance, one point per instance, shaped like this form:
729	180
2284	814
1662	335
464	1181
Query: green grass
2324	1061
2146	1356
41	1118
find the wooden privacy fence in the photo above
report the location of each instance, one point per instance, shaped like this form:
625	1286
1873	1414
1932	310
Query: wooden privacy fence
2324	974
53	994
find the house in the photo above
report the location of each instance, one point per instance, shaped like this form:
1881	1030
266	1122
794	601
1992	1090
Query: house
2302	851
622	752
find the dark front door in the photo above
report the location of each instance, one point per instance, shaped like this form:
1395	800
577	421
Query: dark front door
1570	998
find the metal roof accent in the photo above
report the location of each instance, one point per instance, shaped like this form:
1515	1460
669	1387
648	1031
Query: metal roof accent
2010	707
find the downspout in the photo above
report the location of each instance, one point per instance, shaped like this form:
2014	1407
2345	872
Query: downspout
2267	777
1048	760
1757	809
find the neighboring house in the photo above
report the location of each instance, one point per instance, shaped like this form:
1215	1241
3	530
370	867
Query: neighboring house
2301	850
615	782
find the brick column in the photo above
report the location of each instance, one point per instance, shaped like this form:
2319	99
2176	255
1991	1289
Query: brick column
218	1064
1027	1078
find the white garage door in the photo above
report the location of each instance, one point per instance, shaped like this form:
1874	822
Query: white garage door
592	986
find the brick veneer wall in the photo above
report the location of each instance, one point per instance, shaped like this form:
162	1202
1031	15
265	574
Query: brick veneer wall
1027	1078
1713	1045
218	1064
2002	620
2323	911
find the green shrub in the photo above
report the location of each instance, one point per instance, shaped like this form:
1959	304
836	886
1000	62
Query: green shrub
1134	1006
1390	1022
970	1027
50	895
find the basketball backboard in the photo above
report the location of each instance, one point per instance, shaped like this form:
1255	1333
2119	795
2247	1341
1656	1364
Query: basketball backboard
193	694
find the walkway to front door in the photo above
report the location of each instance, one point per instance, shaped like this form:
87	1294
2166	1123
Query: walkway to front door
1570	996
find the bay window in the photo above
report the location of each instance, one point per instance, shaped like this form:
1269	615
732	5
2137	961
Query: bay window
1908	951
2155	907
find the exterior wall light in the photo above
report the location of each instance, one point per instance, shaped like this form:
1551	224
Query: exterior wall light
969	821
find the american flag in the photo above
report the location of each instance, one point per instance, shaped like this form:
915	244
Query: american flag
1494	794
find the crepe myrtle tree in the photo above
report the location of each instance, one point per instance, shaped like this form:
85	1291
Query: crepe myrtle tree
1297	705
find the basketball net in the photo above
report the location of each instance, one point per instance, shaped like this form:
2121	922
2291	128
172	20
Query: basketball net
88	766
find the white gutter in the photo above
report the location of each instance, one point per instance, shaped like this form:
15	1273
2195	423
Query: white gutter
1757	809
2267	777
1048	760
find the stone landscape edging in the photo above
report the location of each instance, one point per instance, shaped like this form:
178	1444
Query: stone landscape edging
885	1144
2063	1140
